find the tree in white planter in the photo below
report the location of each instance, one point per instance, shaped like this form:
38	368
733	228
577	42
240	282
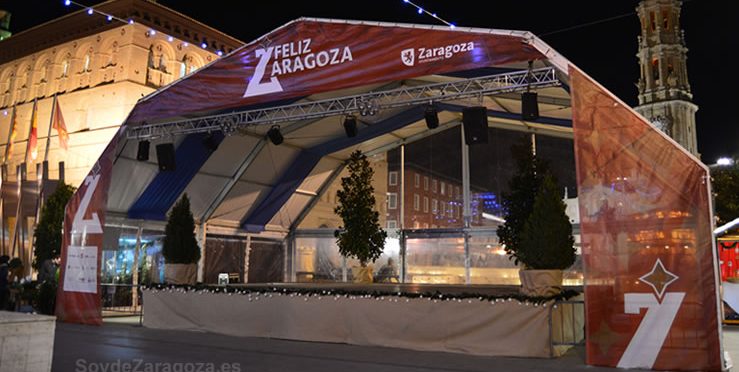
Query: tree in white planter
362	236
181	251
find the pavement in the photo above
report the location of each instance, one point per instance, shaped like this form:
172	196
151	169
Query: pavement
119	343
122	341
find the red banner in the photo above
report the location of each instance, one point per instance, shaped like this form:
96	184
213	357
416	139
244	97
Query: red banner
308	57
60	125
650	265
78	295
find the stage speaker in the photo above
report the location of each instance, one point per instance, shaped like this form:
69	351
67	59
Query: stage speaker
350	125
143	153
475	121
166	157
432	117
529	106
210	143
274	135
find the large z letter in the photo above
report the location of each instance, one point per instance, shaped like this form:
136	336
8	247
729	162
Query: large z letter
255	86
80	224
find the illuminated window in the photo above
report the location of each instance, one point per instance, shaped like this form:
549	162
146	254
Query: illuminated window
434	206
392	178
443	188
392	200
652	21
87	63
416	202
426	183
434	186
426	204
392	224
417	180
65	68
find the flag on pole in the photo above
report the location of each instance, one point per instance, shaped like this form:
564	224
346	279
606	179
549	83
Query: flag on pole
33	137
11	139
60	126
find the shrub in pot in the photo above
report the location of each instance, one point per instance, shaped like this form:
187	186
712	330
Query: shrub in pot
361	236
180	250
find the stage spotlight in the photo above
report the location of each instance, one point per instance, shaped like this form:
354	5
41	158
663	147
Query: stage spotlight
529	106
350	125
432	117
143	153
274	135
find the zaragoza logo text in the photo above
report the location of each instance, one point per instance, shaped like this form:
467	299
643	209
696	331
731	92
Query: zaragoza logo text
410	56
290	58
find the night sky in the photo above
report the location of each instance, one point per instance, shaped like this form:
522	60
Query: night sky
604	50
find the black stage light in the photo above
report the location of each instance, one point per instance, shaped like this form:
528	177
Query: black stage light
432	117
529	106
350	125
274	135
143	153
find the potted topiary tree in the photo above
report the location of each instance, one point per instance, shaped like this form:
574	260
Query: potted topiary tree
361	236
523	245
181	251
547	246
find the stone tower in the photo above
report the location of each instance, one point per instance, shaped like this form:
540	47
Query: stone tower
664	91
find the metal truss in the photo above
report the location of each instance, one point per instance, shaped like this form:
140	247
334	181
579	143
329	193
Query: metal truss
364	104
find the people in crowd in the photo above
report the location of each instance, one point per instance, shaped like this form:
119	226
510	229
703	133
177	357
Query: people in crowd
388	273
4	287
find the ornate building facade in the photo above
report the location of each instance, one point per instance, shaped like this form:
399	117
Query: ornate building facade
98	66
664	90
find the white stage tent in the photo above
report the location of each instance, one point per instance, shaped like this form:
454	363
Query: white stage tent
308	74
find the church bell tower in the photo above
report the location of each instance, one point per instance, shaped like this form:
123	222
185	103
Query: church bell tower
664	92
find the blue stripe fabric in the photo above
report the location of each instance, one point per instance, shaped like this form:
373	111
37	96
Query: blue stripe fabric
304	163
166	187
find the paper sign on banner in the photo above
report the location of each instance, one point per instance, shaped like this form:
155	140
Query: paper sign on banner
81	269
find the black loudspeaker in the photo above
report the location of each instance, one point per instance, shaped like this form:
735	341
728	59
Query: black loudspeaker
166	157
274	135
432	117
529	106
350	125
475	120
143	153
210	143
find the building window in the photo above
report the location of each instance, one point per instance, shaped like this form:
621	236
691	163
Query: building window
416	202
652	21
425	225
392	178
426	183
434	186
65	68
456	192
442	206
392	224
434	206
87	63
665	20
392	200
443	188
416	225
417	180
655	69
425	204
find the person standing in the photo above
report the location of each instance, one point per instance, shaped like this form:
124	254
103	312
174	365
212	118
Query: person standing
4	288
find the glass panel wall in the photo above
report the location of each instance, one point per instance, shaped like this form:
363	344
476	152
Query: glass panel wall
435	259
317	259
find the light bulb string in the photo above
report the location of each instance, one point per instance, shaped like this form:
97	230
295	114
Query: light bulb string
91	10
421	10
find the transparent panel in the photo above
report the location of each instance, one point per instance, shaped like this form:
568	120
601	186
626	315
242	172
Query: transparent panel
489	263
433	182
317	260
491	168
224	255
322	215
435	260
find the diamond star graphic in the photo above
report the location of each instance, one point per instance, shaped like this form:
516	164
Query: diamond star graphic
659	278
605	338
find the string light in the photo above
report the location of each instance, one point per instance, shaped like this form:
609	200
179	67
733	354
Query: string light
421	10
336	294
91	11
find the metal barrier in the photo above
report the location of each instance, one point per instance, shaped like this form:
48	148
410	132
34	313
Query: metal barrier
121	300
566	324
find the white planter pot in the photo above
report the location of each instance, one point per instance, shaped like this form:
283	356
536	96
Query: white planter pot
540	283
180	273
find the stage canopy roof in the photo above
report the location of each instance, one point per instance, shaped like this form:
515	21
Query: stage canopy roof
305	76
